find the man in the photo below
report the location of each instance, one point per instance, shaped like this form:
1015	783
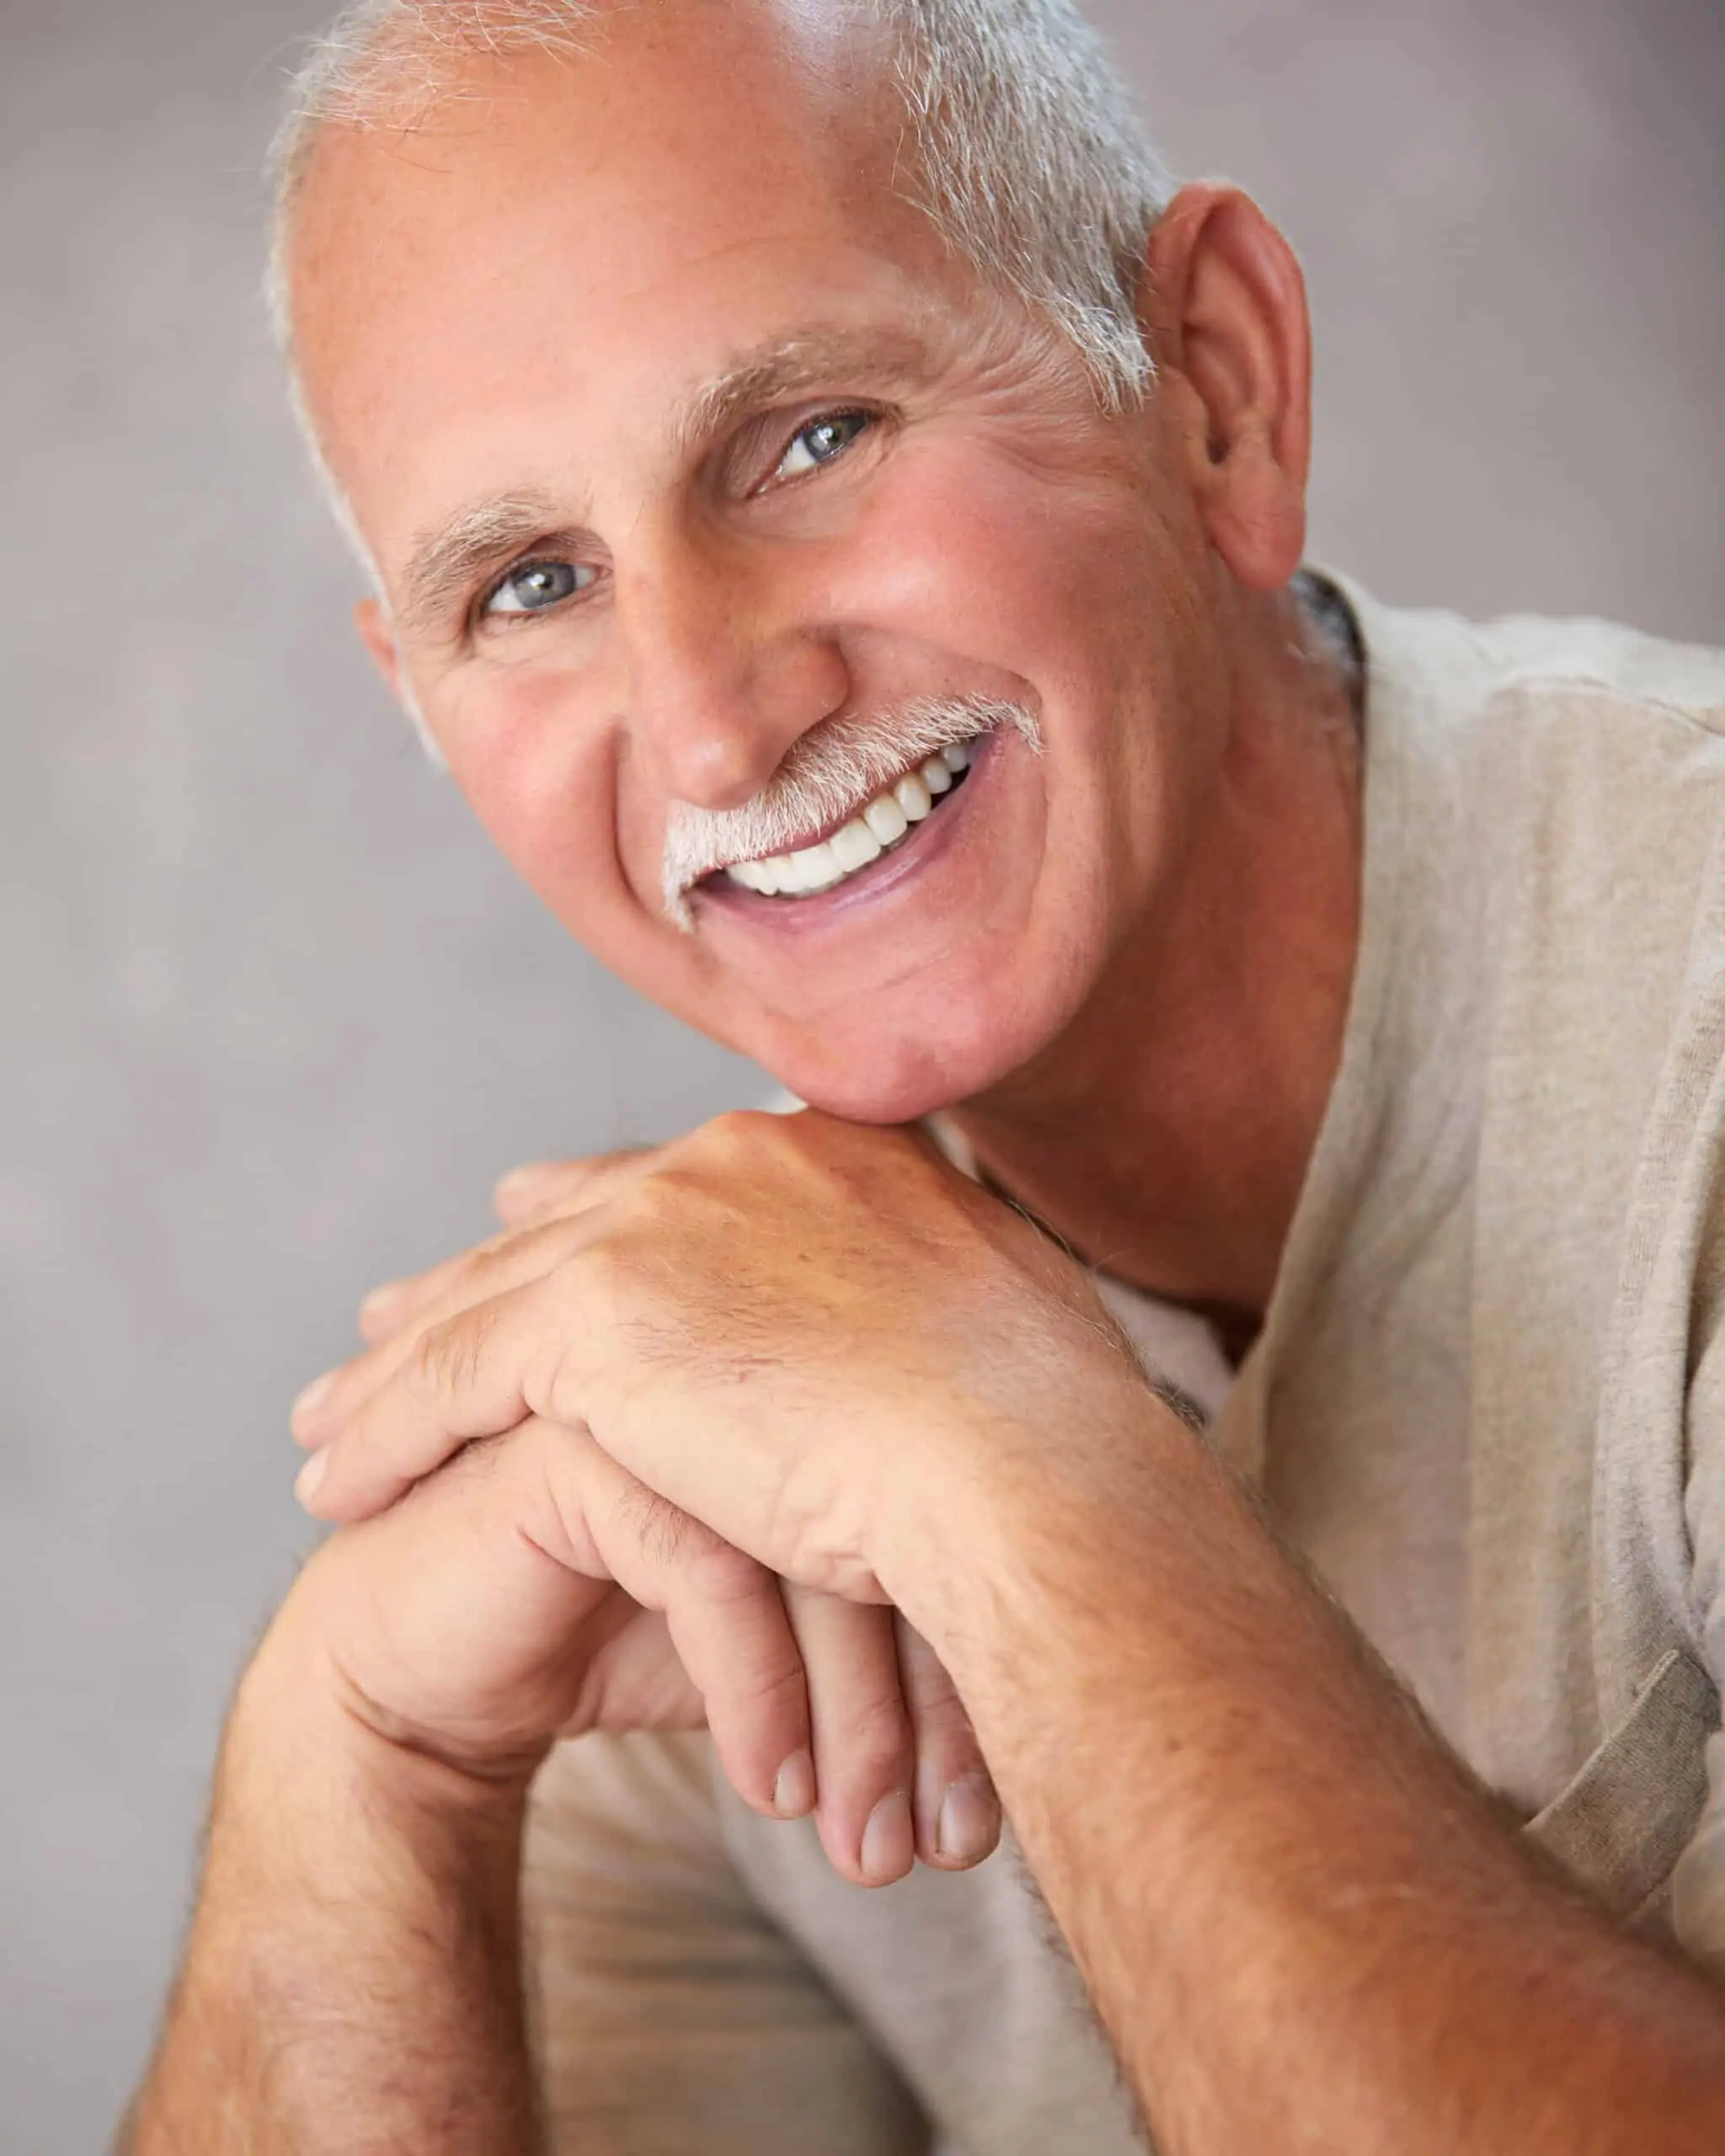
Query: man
839	515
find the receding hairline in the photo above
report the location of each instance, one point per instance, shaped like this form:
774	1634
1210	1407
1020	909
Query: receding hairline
1018	141
431	80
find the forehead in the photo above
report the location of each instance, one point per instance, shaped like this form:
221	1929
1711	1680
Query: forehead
593	234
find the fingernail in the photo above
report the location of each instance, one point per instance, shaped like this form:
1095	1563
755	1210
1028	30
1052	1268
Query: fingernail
380	1299
969	1822
518	1186
793	1792
888	1840
313	1398
310	1475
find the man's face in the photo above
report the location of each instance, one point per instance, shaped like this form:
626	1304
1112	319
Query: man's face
677	437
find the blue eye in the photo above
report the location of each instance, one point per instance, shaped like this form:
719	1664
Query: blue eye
537	585
821	441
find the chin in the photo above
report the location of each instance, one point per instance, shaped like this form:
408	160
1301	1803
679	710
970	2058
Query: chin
922	978
867	1073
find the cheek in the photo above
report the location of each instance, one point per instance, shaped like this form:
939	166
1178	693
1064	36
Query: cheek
1094	595
1076	593
541	775
543	784
986	564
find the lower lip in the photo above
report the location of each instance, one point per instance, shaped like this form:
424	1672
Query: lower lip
933	838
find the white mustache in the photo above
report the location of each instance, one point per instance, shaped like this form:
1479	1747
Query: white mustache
827	776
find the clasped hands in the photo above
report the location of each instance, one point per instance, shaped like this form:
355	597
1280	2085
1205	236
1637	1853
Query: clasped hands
709	1435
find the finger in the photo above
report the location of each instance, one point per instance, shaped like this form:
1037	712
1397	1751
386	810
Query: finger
461	1614
958	1813
475	1375
724	1611
531	1587
424	1359
568	1188
636	1680
864	1761
540	1189
503	1261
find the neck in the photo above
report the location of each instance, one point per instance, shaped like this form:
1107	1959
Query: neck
1165	1135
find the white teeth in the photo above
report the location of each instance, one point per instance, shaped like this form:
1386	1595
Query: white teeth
854	845
814	867
868	835
936	776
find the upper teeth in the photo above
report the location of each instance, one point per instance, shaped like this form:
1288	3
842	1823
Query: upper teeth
871	832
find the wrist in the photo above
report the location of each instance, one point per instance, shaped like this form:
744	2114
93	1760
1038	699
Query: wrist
301	1738
994	1539
352	1975
321	1829
341	1656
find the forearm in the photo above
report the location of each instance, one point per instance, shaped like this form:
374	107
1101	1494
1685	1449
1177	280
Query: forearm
1305	1926
351	1983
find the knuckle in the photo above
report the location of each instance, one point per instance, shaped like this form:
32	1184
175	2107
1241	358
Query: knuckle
728	1582
740	1135
736	1127
597	1276
483	1458
664	1531
929	1691
653	1199
501	1253
771	1687
944	1724
873	1735
468	1274
481	1461
446	1357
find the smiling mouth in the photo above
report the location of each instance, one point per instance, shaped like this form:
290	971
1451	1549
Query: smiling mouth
881	826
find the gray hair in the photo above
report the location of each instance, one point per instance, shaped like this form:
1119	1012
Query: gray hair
1028	156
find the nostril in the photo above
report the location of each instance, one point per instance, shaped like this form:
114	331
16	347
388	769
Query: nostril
721	771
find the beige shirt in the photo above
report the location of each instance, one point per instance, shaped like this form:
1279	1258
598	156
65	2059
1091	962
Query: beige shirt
1488	1401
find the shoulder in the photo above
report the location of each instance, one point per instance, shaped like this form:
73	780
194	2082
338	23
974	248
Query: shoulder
1554	661
1585	695
1543	658
1620	723
1572	773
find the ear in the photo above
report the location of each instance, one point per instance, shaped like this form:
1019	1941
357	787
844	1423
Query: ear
371	620
376	636
1225	312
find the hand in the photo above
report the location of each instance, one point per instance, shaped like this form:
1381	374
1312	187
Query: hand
862	1693
818	1339
532	1588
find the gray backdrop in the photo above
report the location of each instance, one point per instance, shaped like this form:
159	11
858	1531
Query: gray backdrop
273	1017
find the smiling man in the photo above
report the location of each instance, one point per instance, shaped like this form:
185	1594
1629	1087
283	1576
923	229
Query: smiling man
837	509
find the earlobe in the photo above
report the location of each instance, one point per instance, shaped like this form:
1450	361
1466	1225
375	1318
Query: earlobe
373	625
1224	309
371	620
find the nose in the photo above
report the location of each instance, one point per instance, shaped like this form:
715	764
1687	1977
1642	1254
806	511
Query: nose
721	672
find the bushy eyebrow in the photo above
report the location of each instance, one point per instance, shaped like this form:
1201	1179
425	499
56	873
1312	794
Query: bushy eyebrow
795	367
448	559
